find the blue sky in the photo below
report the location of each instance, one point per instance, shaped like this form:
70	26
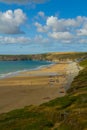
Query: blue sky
39	26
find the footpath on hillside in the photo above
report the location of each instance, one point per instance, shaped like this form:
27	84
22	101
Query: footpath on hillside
72	71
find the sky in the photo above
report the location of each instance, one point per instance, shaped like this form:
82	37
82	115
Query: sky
41	26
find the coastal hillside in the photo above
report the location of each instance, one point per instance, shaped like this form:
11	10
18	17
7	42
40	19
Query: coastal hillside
49	56
64	113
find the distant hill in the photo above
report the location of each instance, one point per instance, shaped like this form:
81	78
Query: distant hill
48	56
65	113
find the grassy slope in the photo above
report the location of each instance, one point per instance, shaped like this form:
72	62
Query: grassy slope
65	113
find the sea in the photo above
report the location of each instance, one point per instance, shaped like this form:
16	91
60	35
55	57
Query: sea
11	68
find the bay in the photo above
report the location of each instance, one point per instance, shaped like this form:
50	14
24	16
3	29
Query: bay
14	67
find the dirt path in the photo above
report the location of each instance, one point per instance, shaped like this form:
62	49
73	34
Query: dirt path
72	71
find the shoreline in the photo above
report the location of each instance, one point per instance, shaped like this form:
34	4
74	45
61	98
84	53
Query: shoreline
16	73
24	90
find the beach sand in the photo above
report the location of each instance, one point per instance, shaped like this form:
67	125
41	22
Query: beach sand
33	87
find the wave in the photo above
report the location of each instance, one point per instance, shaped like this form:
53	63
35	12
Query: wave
12	74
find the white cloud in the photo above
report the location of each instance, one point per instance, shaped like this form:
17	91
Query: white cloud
64	30
23	40
52	29
52	21
41	17
22	1
59	25
13	40
82	32
41	28
41	14
10	21
61	35
40	39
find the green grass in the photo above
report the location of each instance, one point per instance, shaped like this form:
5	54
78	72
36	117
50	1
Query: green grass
65	113
83	63
80	82
62	102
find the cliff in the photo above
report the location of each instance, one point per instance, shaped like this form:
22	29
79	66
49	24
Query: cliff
48	56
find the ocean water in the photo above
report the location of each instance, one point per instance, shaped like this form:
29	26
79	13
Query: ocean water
8	68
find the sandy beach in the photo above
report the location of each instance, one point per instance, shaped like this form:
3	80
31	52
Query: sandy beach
37	86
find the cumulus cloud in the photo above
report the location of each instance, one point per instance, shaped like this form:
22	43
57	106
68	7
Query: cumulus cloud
41	17
51	29
7	40
56	24
64	30
41	14
23	40
82	32
61	35
23	1
41	28
40	39
10	21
